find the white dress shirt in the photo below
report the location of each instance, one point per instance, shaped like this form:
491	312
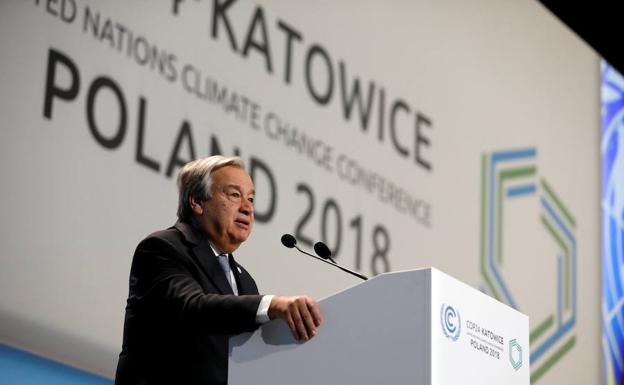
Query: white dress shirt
262	315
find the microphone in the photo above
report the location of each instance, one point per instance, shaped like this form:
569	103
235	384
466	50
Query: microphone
288	241
323	251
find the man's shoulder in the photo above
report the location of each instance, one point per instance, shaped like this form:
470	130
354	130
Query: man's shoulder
170	236
164	245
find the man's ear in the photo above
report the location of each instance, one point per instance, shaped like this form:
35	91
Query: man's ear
196	205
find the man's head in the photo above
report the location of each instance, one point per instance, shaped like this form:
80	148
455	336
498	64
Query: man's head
216	194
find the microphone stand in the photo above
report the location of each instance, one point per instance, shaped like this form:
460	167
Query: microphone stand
333	264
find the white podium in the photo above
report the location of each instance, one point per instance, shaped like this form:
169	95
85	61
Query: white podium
417	327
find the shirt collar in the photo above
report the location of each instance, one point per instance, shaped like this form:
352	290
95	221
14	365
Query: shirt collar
215	250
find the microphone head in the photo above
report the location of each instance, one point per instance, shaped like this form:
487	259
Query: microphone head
322	250
288	241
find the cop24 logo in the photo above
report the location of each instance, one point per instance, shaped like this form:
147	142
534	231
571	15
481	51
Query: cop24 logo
509	178
451	322
515	354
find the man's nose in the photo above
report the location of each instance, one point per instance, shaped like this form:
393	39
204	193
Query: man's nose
246	207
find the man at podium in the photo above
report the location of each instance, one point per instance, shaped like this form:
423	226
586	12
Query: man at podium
188	295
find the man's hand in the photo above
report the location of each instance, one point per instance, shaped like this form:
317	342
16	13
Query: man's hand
301	313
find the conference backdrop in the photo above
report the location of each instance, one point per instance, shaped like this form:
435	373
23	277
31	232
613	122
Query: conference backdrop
612	95
459	135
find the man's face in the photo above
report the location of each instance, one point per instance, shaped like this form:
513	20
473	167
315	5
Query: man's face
228	215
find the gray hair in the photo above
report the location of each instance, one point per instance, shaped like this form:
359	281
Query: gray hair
195	180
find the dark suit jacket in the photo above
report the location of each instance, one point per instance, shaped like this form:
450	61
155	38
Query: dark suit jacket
181	311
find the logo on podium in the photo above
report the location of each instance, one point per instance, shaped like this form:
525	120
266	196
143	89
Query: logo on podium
451	322
515	354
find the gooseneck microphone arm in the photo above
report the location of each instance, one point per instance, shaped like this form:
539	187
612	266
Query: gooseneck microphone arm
290	242
333	264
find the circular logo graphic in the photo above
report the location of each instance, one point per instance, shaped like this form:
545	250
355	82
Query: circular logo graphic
451	322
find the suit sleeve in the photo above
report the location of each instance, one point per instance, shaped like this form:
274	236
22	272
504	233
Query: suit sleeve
162	285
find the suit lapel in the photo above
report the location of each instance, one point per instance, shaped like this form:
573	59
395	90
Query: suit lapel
205	258
244	281
237	276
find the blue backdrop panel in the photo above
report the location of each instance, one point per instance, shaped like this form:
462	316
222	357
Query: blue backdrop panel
20	368
612	203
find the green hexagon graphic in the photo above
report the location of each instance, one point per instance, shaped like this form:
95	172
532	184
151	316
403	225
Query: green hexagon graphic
512	174
515	354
